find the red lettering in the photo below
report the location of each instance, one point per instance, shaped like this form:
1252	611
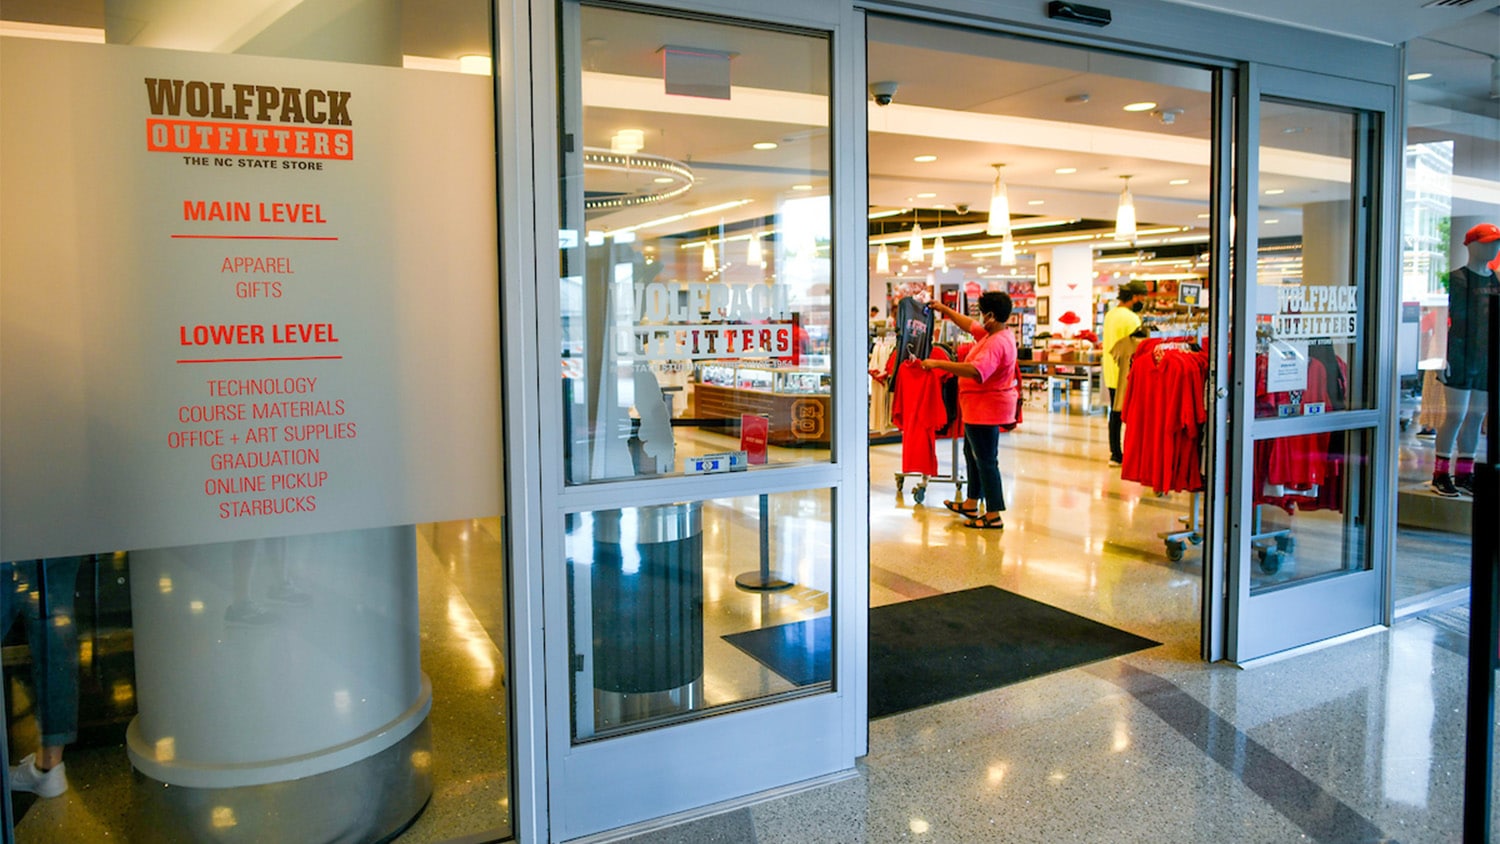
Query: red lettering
221	335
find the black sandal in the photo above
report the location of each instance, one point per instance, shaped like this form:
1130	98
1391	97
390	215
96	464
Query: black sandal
959	508
981	523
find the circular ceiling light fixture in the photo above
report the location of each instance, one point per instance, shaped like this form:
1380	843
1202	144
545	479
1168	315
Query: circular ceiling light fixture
764	145
1141	106
1065	171
1418	76
924	159
669	179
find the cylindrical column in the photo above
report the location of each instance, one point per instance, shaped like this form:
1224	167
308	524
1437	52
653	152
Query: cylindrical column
266	661
647	588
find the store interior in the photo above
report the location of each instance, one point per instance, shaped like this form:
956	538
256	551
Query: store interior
705	197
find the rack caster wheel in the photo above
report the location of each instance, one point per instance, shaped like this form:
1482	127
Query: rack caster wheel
1285	544
1174	550
918	494
1270	560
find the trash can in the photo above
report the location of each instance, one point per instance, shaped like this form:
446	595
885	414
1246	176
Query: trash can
647	595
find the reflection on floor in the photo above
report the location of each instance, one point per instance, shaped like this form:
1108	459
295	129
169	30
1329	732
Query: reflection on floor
1362	741
460	591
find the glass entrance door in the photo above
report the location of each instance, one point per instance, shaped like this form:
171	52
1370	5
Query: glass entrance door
694	486
1308	557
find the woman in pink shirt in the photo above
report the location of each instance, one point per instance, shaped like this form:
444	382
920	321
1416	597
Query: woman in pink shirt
988	397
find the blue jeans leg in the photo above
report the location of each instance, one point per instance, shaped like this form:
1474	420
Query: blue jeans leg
981	453
43	591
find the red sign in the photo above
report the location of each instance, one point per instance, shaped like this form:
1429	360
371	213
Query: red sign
754	431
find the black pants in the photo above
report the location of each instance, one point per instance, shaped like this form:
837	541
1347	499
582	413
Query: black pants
1115	424
982	452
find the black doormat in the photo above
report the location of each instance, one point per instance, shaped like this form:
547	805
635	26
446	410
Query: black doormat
944	647
949	646
802	651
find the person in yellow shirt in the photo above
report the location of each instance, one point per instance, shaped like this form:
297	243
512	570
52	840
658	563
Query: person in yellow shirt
1122	321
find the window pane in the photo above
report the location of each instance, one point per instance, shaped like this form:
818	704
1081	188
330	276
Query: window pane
1312	506
1311	293
680	610
695	254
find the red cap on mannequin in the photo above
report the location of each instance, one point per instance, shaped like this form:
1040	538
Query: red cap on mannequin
1482	233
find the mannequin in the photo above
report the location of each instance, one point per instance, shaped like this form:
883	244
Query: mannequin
1471	289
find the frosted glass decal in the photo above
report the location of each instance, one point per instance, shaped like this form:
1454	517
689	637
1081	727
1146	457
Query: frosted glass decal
241	297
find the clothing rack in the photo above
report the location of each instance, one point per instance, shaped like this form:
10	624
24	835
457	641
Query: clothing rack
1176	540
956	476
1165	419
953	428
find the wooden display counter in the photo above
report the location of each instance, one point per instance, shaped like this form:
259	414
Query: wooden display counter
796	419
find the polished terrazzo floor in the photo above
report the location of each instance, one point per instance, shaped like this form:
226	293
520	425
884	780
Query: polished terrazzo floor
1360	741
1356	742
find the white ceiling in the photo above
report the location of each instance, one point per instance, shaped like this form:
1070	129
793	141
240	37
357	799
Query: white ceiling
957	99
1385	21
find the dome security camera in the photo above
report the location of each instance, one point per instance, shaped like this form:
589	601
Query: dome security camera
884	92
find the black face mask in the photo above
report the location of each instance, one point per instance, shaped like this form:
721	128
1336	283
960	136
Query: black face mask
1138	306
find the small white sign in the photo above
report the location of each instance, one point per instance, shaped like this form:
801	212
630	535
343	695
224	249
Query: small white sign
1286	367
724	461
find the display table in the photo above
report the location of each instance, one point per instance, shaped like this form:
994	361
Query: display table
1064	376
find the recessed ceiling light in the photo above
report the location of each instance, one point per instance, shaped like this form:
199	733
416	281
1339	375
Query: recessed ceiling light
801	187
924	159
1065	171
1205	216
926	195
1142	106
763	145
1036	202
1417	77
1275	192
663	180
1292	130
1272	222
1178	182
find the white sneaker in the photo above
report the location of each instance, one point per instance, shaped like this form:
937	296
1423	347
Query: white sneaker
26	777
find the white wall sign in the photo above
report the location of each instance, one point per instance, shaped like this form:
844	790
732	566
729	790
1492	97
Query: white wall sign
241	297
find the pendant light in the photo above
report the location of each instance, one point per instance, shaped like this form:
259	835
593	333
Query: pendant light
999	222
1125	216
710	262
883	256
939	252
1008	251
755	256
914	253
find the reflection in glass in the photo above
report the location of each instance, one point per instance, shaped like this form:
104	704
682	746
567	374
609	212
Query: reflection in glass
663	626
696	238
1451	184
1311	506
1310	288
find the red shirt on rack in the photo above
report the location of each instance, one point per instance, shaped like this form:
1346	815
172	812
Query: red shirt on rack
919	412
